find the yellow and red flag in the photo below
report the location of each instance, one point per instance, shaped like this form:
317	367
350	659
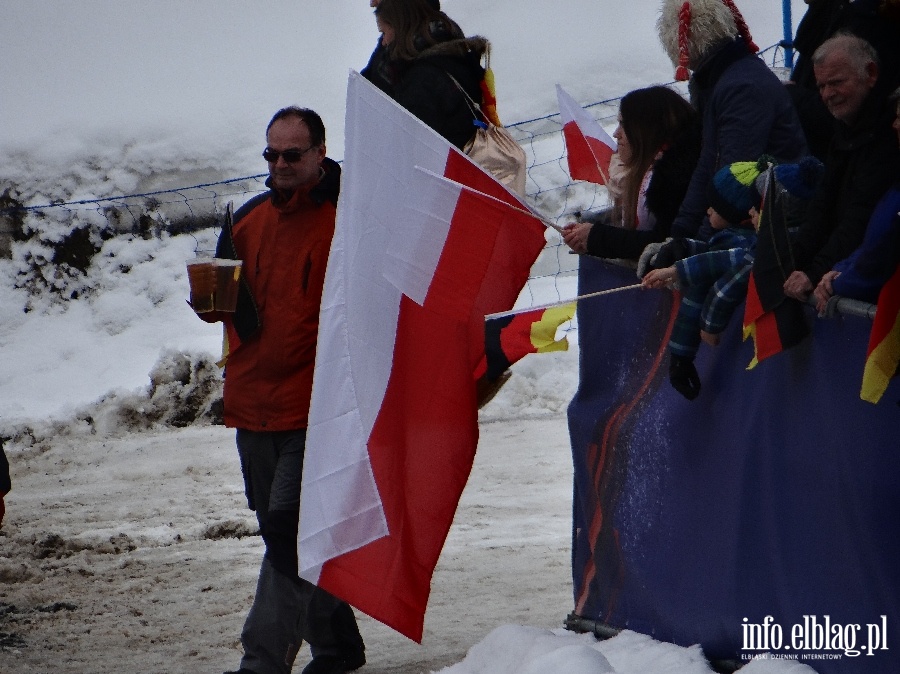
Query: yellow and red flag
883	354
511	336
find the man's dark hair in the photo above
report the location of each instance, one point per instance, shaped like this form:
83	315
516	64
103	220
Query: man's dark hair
310	117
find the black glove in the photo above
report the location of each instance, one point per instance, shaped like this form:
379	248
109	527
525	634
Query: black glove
683	376
670	253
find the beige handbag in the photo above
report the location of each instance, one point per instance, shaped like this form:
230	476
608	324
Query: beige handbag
495	150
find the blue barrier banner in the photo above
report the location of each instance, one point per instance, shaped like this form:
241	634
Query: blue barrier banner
764	516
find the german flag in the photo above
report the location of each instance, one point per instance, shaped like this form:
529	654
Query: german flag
510	337
883	354
774	321
772	331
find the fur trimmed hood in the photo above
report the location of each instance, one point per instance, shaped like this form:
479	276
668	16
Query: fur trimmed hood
458	48
711	24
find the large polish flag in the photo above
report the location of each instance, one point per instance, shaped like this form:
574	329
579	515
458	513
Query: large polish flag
426	244
589	148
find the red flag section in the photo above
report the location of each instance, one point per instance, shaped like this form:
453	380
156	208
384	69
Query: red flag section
883	354
511	337
772	331
427	243
774	321
589	148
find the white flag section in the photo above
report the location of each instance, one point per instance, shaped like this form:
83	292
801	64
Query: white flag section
589	148
416	263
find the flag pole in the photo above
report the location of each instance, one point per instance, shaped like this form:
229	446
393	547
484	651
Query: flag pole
547	222
513	312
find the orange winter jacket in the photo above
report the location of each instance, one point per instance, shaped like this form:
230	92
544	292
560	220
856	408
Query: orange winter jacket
272	335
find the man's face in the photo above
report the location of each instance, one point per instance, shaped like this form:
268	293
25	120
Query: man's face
374	3
291	133
842	87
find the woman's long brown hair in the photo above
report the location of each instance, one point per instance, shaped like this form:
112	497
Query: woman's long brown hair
411	20
652	118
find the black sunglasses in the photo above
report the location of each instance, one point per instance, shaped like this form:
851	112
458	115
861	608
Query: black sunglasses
291	156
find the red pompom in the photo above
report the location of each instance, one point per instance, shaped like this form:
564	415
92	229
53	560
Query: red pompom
684	36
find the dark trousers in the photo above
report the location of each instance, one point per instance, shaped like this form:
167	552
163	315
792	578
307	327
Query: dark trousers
286	609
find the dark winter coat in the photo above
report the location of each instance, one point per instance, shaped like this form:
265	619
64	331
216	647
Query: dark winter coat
822	20
375	70
865	18
872	264
746	113
425	88
668	184
862	163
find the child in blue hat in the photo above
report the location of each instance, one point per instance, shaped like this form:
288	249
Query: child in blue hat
713	277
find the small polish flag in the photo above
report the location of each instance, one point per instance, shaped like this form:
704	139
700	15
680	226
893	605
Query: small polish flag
589	148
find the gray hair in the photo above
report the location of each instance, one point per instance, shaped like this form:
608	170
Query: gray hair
859	52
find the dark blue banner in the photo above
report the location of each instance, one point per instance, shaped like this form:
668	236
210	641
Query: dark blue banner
762	516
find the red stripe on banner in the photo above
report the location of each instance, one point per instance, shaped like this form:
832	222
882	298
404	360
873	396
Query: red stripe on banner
610	437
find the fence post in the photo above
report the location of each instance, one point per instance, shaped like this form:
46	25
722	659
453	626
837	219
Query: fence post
788	41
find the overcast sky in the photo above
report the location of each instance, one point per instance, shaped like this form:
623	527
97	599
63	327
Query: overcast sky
123	67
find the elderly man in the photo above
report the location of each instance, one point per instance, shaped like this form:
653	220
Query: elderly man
862	161
283	237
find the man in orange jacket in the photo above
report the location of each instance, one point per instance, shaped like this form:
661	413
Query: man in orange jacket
283	238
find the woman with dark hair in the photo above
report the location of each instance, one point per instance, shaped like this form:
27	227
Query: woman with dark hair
431	68
373	69
658	146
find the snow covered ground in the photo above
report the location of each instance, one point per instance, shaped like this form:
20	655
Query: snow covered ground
127	545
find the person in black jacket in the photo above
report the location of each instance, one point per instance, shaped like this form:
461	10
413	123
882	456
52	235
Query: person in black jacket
431	68
659	144
375	69
862	161
744	108
876	21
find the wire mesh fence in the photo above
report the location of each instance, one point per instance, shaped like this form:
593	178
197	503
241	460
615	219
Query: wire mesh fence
196	207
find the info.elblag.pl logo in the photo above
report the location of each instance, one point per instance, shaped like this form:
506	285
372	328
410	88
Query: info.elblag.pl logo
815	638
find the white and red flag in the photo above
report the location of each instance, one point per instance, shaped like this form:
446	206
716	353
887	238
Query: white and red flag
426	244
589	148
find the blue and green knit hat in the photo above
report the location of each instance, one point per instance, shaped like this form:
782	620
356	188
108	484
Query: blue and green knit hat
731	193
